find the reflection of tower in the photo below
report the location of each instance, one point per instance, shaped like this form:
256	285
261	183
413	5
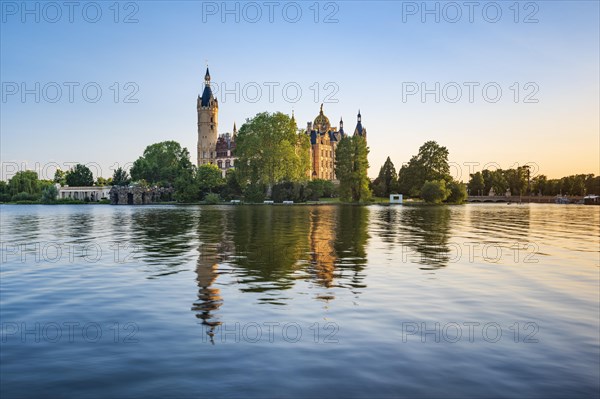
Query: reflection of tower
322	238
208	123
209	298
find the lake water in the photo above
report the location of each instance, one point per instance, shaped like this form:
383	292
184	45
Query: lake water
327	301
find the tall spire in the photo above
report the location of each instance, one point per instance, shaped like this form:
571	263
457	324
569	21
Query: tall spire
358	116
207	76
234	129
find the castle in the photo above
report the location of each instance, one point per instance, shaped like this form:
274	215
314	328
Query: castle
219	149
324	140
212	147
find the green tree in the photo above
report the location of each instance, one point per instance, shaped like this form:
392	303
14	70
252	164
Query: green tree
60	177
233	187
80	176
254	193
592	184
120	177
517	180
49	194
476	185
269	150
351	164
161	163
498	182
431	163
25	181
101	181
387	181
539	185
209	178
186	186
4	192
435	191
458	192
315	189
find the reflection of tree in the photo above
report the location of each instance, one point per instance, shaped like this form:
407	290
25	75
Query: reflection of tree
426	230
164	235
213	247
387	220
350	243
269	242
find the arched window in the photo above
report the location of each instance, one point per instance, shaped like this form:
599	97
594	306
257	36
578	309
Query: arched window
228	164
220	164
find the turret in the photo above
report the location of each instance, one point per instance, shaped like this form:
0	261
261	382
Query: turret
208	123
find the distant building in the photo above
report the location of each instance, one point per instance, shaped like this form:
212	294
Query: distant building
324	139
91	193
225	147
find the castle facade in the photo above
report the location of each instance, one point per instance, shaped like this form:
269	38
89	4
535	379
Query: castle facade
220	149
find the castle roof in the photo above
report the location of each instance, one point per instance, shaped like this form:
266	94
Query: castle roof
207	94
322	121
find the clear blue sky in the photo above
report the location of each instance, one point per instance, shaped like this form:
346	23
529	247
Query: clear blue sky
371	55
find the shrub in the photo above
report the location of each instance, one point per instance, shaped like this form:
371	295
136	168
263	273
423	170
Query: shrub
254	193
458	192
49	194
434	191
23	196
288	191
212	199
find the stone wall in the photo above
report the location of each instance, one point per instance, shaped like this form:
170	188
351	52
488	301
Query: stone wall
136	195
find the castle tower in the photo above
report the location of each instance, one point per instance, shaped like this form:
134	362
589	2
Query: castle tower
360	130
208	123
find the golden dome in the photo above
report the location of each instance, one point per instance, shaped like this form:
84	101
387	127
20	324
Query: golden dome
321	122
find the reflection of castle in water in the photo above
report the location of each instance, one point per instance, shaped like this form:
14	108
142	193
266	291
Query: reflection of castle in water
266	248
213	246
322	251
338	236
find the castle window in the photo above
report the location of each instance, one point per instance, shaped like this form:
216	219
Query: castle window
220	163
228	164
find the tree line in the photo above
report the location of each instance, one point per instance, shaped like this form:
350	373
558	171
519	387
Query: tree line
520	182
425	176
26	186
273	161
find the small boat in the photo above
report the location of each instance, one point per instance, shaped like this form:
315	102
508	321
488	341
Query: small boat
591	200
